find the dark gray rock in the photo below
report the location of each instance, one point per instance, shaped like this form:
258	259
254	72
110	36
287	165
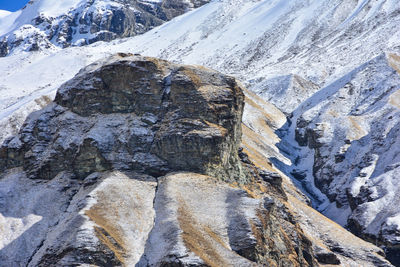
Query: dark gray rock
327	258
100	121
115	126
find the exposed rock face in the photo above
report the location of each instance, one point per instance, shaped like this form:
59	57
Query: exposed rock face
317	40
134	113
104	168
331	243
226	228
88	22
354	135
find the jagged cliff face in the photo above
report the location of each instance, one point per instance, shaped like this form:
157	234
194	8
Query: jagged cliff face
43	25
129	166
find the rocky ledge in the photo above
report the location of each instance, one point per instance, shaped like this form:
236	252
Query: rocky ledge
136	163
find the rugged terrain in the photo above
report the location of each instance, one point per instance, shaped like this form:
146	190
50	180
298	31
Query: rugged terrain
134	152
44	24
142	157
330	73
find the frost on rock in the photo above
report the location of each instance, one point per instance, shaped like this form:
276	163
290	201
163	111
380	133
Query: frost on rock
96	122
323	45
353	129
42	24
129	167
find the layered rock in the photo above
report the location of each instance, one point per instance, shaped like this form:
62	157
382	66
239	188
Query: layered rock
129	167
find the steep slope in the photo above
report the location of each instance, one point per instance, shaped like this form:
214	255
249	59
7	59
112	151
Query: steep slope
117	168
352	130
331	243
279	49
43	24
332	38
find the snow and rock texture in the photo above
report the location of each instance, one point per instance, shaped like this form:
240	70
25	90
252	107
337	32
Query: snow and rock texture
331	243
64	221
352	128
316	52
272	46
45	24
108	185
170	118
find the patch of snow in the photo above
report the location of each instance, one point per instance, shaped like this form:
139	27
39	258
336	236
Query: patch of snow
4	13
8	21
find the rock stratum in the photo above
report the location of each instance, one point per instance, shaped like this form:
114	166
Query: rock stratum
141	114
138	162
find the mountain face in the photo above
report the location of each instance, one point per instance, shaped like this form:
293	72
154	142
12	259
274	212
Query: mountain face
134	152
354	136
321	114
43	24
142	158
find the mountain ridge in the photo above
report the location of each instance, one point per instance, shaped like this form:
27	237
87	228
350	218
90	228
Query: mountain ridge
43	25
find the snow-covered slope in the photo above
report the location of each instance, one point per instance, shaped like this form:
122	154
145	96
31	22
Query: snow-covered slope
351	129
44	24
329	65
4	13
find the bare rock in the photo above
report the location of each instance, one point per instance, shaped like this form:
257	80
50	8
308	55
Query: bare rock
130	128
209	223
135	113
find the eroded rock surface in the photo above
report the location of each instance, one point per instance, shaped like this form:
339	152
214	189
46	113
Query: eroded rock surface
351	131
332	244
134	113
129	167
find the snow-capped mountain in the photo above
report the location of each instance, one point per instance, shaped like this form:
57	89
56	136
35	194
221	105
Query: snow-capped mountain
42	25
326	77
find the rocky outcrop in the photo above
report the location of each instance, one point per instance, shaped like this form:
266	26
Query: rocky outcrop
339	36
129	167
90	21
132	112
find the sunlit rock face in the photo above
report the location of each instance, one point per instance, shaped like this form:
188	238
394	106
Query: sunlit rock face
136	163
